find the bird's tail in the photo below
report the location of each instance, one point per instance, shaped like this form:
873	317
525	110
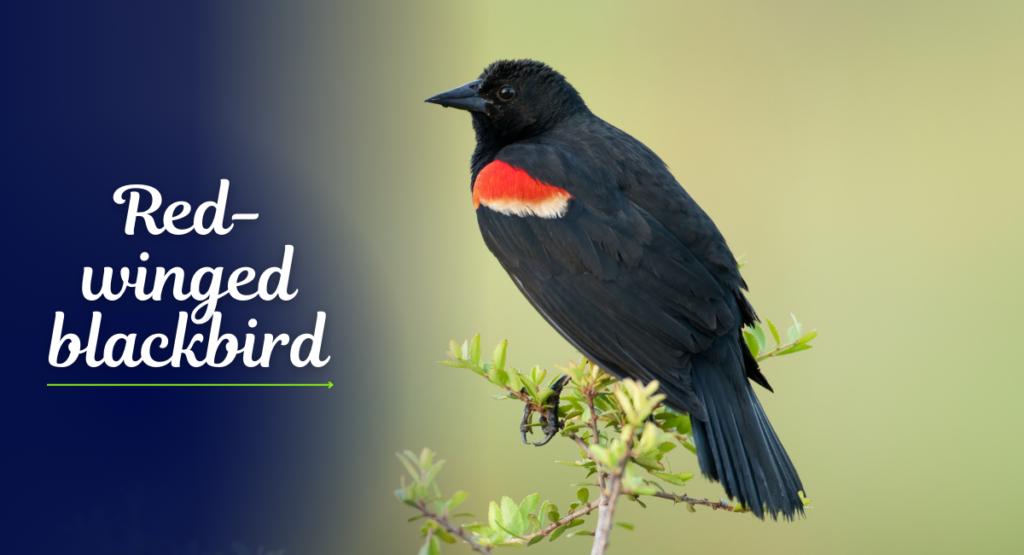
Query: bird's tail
737	446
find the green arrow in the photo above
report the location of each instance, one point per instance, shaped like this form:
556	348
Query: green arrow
328	385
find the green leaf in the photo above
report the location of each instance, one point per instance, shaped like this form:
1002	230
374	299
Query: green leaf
691	508
544	394
478	528
444	535
435	546
603	455
558	532
552	513
429	476
530	386
751	343
511	518
775	332
498	376
807	337
576	522
793	349
537	374
514	383
677	479
625	525
534	521
426	458
511	533
499	354
472	366
474	349
529	506
454	350
494	517
535	540
402	496
666	446
759	335
648	463
451	363
684	426
583	494
794	331
602	403
413	471
457	499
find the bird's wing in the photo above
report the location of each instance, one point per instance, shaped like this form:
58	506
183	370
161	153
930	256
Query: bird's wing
605	273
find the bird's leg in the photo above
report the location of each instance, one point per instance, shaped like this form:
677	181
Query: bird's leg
549	412
524	427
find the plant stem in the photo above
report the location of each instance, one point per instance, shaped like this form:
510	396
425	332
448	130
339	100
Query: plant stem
694	501
582	444
606	515
451	528
778	349
582	511
430	534
602	479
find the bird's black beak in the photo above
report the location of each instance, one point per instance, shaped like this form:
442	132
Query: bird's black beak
466	97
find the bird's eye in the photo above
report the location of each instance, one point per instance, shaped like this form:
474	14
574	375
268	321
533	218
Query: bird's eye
506	93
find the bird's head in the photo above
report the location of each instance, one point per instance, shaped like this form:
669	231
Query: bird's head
514	100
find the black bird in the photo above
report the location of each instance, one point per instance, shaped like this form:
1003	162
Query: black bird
609	248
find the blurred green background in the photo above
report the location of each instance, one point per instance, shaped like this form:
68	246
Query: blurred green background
868	157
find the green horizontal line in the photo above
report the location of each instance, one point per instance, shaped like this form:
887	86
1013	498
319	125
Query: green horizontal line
328	385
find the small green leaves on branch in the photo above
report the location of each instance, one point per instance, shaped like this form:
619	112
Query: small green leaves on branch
757	342
508	523
623	431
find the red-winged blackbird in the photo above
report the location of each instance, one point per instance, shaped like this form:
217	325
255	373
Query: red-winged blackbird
609	248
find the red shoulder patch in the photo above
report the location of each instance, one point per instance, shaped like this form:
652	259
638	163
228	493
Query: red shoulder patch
512	191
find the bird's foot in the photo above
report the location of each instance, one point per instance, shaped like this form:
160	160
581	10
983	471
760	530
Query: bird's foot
548	413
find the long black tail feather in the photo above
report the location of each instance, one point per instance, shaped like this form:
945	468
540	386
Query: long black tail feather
737	446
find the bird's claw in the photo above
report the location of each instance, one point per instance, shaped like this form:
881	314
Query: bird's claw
548	415
524	426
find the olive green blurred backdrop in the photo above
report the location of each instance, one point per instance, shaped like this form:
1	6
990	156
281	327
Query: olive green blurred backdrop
868	157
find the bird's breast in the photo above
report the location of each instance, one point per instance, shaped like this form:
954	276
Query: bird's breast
512	191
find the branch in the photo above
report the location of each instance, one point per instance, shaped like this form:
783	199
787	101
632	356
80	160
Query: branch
602	478
779	348
608	498
583	445
664	495
451	528
691	500
582	511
